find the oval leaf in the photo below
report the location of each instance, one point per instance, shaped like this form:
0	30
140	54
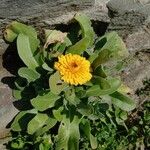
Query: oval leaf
44	102
29	74
97	90
113	49
79	47
37	122
122	101
21	120
55	83
68	135
25	52
87	30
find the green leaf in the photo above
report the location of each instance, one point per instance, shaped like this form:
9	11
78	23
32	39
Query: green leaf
37	122
46	67
93	56
60	47
45	143
16	94
68	134
87	30
45	101
15	28
85	126
103	89
9	35
99	71
29	74
25	52
85	109
20	83
93	142
22	28
55	83
120	116
80	92
79	47
114	49
57	113
102	82
122	101
21	120
49	123
71	97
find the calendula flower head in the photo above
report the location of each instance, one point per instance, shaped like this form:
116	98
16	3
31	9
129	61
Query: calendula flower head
73	69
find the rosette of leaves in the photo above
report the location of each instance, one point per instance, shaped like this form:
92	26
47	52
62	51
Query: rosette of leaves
50	105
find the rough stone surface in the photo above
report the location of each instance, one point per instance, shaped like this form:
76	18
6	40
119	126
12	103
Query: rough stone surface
128	16
131	19
50	12
123	6
139	40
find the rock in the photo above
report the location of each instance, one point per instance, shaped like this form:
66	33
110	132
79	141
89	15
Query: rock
123	6
43	12
127	16
131	19
137	69
139	40
7	110
3	143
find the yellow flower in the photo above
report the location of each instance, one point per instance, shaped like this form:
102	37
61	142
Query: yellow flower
74	69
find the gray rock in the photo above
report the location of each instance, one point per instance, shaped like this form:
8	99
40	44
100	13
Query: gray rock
131	19
139	40
51	12
128	16
123	6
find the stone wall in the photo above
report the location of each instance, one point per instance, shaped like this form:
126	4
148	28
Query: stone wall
130	18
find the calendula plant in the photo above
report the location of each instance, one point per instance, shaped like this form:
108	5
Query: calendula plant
65	83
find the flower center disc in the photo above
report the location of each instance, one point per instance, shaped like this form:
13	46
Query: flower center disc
74	67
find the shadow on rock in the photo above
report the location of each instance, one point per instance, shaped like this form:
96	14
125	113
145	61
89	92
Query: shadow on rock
10	81
11	60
